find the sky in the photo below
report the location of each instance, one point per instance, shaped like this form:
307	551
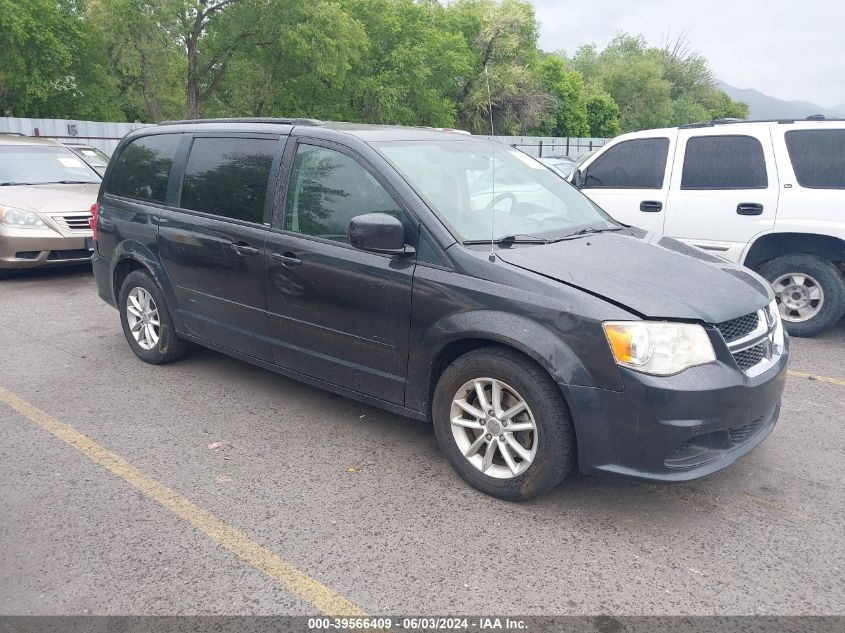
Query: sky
789	49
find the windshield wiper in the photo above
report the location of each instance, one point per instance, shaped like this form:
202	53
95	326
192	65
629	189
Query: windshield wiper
71	182
520	238
16	184
590	230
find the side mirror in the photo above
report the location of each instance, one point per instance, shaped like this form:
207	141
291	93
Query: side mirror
578	178
378	233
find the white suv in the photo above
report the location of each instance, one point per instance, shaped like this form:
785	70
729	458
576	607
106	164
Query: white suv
767	194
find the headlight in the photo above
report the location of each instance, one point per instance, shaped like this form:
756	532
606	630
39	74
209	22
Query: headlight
658	348
20	219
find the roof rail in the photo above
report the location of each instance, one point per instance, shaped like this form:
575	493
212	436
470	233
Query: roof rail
276	120
715	122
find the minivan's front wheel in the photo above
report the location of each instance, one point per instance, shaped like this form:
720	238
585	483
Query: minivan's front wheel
503	424
146	320
810	292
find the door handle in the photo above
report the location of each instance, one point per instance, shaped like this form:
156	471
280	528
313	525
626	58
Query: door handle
749	208
651	206
243	249
286	258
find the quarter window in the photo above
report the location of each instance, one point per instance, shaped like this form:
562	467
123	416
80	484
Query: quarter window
818	157
229	177
636	164
328	189
143	168
724	162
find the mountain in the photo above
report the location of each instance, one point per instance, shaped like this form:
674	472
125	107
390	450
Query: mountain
765	107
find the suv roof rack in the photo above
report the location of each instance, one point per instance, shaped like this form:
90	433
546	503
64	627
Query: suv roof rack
276	120
715	122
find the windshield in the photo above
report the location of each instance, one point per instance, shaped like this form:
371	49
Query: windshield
483	189
37	165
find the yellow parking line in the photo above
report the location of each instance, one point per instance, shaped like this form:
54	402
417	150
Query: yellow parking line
828	379
310	590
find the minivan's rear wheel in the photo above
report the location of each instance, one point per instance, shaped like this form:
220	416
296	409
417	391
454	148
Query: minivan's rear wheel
503	424
810	292
146	320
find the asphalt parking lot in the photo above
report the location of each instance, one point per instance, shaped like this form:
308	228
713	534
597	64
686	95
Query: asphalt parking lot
308	486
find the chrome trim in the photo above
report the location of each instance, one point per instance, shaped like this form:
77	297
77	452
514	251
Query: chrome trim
770	327
753	338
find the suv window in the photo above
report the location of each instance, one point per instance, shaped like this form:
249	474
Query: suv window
818	157
327	189
143	168
228	177
636	164
724	162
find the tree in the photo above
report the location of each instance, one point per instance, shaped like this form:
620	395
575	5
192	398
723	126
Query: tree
503	36
145	59
569	114
602	115
50	62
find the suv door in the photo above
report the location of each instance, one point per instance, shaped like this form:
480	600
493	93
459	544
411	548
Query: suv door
337	313
630	180
724	191
212	245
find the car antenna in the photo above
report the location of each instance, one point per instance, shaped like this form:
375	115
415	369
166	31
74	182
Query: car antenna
492	256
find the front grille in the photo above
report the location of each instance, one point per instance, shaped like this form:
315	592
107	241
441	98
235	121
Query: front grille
737	328
747	358
74	222
744	432
79	253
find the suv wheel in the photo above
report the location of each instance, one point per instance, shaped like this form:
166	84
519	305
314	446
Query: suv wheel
503	424
810	292
146	321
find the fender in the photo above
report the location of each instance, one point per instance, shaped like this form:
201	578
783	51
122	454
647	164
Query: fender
132	250
529	337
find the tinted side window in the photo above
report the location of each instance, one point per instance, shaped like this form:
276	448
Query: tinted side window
327	189
637	164
228	177
143	168
818	157
724	162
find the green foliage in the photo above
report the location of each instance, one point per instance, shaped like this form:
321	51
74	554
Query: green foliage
655	87
602	115
412	62
569	116
50	62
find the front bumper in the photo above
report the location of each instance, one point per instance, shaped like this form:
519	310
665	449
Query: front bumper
27	248
676	428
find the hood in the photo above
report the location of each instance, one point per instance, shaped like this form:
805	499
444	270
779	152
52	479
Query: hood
653	277
50	198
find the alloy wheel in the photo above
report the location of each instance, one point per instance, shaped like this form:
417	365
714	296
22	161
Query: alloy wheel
494	428
799	297
143	318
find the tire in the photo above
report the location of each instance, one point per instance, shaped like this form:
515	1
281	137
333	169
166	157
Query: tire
167	346
552	443
821	277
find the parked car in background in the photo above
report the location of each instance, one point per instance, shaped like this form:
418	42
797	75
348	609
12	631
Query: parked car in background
96	159
561	164
46	192
769	195
380	263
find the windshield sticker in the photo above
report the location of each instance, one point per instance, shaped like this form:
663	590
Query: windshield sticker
71	162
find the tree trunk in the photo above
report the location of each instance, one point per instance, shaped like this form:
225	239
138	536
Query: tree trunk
192	106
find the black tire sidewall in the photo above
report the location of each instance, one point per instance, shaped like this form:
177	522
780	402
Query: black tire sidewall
555	450
831	281
169	347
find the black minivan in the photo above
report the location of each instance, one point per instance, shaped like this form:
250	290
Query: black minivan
445	278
